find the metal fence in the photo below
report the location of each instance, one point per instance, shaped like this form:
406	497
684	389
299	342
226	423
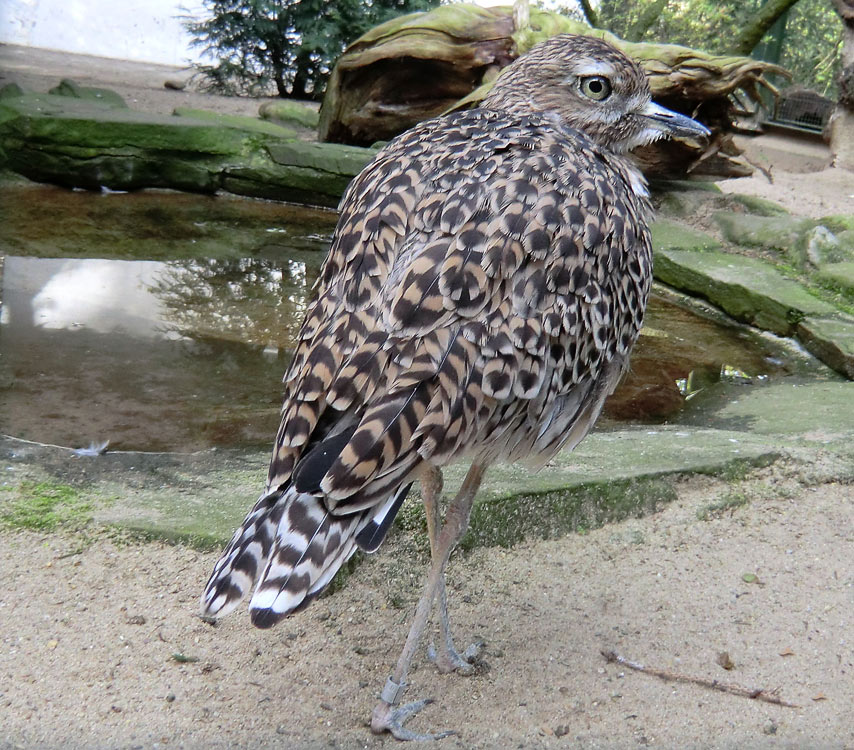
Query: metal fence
803	109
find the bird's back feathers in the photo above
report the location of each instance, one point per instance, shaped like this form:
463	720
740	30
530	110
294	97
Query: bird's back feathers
486	282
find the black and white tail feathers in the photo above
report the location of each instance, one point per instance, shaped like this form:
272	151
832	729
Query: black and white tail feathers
292	547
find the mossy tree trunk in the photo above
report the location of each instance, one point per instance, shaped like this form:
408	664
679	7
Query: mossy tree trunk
422	65
764	19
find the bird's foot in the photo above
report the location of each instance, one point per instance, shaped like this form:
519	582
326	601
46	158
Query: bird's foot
449	660
388	717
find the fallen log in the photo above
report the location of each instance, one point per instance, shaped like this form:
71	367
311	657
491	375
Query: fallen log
423	64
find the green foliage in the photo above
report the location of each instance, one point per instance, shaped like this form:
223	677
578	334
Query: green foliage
812	46
42	506
809	46
283	46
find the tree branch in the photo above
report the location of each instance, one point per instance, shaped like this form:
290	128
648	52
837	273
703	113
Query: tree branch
649	16
589	13
752	34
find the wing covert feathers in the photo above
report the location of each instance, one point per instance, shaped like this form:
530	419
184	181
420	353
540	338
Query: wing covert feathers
485	284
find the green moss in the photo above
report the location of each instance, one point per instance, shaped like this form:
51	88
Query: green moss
838	277
292	113
750	290
783	234
549	515
838	223
104	97
11	91
237	122
43	506
668	235
759	206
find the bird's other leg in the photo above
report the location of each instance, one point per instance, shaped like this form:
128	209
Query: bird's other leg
386	716
446	658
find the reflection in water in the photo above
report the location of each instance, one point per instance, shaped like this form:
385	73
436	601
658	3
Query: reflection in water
186	348
257	302
154	356
185	354
680	355
101	295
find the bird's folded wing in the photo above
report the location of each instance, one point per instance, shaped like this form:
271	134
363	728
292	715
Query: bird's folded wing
471	289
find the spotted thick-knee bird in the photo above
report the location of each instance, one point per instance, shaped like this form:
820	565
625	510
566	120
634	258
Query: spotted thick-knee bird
486	282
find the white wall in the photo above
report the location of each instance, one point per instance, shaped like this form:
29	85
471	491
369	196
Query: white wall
145	30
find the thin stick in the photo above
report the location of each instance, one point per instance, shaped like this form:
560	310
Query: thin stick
755	694
101	450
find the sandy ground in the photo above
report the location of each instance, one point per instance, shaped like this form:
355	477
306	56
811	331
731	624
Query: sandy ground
101	648
92	638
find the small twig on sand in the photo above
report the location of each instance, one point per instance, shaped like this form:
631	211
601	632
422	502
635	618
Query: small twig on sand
756	694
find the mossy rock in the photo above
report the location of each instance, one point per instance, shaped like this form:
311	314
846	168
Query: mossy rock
238	122
290	113
759	206
838	223
668	235
308	173
682	204
820	247
107	97
831	339
11	91
84	143
780	234
837	276
750	290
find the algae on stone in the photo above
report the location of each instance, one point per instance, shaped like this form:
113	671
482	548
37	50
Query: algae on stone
79	143
669	235
831	339
750	290
837	276
105	97
238	122
783	234
290	113
759	206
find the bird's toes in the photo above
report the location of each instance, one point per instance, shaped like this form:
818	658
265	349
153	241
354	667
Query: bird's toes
387	718
449	660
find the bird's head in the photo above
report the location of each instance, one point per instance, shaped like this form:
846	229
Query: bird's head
592	87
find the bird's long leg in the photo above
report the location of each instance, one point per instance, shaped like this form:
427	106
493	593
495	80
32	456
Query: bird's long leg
446	658
387	718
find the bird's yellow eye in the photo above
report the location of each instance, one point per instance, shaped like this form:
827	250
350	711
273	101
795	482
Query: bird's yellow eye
597	88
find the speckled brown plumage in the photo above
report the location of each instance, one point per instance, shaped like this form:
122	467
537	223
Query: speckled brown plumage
485	285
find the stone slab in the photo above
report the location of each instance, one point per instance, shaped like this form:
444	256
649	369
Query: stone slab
831	339
748	289
238	122
611	475
779	234
85	143
670	235
795	411
837	276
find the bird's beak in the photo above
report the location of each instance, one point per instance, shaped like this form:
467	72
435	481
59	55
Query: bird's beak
672	123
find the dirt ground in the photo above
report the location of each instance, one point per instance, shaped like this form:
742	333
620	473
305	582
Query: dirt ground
101	647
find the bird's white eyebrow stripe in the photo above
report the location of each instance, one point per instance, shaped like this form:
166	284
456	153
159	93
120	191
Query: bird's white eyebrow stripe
594	68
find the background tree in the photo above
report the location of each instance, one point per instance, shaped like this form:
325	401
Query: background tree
283	46
804	36
842	125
